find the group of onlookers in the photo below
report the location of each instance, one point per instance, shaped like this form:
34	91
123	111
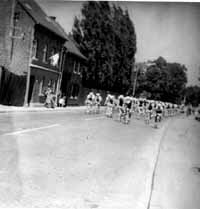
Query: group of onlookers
51	101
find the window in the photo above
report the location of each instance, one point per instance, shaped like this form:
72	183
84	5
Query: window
78	68
54	86
74	68
16	17
44	58
53	52
35	49
74	91
50	83
41	85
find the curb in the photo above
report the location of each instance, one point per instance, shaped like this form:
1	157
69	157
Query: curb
43	109
38	109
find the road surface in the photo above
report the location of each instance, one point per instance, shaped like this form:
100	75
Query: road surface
73	160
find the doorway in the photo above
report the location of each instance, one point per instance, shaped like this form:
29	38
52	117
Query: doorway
32	83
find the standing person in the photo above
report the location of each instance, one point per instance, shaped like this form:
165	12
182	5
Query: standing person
48	97
53	99
62	101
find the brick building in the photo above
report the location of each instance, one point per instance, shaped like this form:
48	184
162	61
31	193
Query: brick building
28	39
74	63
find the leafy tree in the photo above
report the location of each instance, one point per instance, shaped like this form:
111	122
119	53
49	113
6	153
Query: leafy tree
176	83
192	94
106	35
163	81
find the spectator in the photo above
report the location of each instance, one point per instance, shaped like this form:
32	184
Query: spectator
61	102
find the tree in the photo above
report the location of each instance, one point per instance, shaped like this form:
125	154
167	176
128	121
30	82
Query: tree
176	82
192	95
163	81
106	35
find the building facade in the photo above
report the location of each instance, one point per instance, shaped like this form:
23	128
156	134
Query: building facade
31	46
74	64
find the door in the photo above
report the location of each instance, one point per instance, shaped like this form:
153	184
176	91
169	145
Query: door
32	83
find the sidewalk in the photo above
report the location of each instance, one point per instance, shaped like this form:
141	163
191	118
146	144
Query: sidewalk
177	179
8	109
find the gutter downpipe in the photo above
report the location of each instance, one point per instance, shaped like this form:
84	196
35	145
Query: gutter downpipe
61	73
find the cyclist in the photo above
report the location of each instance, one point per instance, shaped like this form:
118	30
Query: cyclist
109	102
121	106
128	108
158	114
89	102
98	100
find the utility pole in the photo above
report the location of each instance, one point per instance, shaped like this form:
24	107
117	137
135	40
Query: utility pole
135	72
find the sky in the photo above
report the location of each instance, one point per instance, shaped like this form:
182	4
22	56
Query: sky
170	30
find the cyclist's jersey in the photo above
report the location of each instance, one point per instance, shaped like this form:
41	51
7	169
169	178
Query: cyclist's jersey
150	107
98	99
121	102
90	97
107	100
158	110
129	104
140	103
110	100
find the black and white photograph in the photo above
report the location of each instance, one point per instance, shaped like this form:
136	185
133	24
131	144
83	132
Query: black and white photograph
99	104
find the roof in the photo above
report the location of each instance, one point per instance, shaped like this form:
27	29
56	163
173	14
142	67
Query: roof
72	48
41	18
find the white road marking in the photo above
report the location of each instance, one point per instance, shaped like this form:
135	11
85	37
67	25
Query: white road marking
95	118
31	129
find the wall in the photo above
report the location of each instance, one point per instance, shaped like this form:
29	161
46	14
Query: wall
41	77
44	36
6	7
72	78
16	51
22	46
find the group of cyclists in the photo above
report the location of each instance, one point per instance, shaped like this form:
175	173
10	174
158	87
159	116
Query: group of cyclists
93	103
150	111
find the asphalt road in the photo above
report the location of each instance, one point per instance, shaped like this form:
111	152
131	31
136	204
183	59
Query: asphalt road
177	177
73	160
